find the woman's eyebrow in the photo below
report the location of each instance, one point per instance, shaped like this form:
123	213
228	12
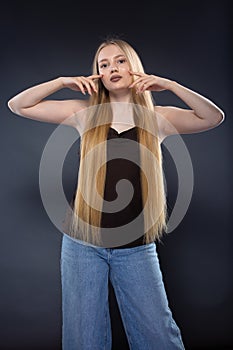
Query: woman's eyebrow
105	59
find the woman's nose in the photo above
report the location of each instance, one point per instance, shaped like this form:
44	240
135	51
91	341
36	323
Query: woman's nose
113	69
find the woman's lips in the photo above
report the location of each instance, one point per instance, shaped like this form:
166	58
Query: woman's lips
115	78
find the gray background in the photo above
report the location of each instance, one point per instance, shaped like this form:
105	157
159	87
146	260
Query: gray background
188	41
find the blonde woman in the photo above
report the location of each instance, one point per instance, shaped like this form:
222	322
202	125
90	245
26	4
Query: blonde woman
118	116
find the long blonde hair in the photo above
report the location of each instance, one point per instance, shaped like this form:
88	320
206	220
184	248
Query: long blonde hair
88	204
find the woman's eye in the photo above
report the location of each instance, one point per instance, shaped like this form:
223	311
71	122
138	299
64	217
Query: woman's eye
121	61
104	65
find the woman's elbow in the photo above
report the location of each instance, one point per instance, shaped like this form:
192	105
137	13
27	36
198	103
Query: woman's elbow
13	106
220	117
217	118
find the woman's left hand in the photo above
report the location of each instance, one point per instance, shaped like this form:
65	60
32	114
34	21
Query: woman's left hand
149	82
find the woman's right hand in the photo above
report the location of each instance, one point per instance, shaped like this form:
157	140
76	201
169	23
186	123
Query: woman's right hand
32	102
81	83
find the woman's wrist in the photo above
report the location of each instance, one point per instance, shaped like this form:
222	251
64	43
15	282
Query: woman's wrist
61	82
171	85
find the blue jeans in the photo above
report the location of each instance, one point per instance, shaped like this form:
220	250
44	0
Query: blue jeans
137	281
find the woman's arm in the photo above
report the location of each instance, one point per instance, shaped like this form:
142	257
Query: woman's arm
31	102
202	115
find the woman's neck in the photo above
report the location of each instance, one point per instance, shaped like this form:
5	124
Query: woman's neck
122	113
120	96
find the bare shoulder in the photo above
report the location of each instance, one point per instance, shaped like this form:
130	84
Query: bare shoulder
77	105
160	117
162	112
76	117
171	120
80	104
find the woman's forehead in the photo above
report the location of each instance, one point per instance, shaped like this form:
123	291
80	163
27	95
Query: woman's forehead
109	52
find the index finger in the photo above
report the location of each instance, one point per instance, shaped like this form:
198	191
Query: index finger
96	76
139	74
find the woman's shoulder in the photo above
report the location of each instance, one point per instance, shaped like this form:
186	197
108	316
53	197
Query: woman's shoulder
80	104
159	112
77	118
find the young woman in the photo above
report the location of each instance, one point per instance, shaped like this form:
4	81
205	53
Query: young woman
119	115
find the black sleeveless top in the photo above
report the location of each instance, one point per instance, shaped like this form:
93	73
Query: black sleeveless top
123	163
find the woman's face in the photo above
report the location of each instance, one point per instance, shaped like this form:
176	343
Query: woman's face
112	63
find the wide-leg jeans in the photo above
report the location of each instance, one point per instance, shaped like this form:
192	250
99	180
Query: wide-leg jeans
138	285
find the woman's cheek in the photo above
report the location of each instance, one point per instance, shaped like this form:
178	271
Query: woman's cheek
105	84
125	69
